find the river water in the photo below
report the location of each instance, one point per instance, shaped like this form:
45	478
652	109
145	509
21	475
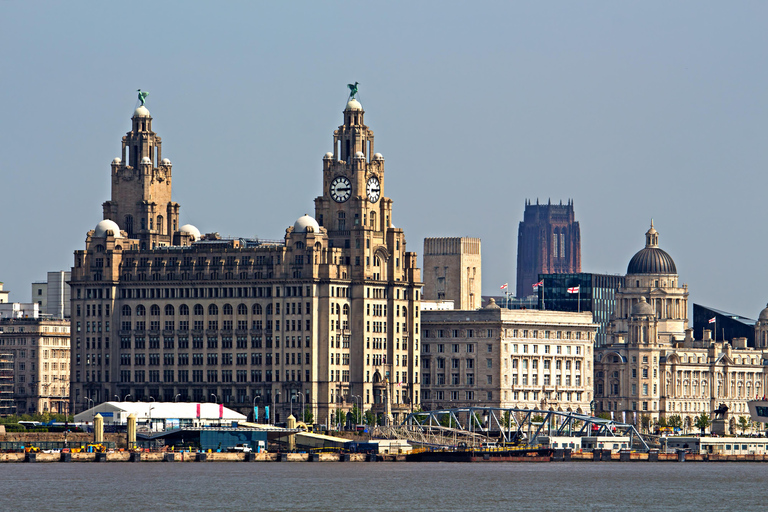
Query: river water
337	486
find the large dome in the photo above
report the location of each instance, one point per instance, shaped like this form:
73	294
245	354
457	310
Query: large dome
651	259
104	226
141	112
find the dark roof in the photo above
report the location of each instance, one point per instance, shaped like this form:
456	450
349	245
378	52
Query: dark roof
651	260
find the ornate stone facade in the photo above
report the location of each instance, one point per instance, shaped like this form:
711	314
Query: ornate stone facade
325	316
653	367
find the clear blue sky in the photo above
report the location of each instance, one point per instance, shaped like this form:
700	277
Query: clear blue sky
635	110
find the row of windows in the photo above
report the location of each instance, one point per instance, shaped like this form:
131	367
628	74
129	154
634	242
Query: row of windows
212	359
139	376
291	308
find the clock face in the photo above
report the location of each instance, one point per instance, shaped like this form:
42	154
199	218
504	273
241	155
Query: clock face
373	189
340	189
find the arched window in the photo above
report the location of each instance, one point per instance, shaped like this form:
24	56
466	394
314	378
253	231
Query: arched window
154	310
242	309
373	220
213	310
342	221
227	309
299	245
126	310
141	310
184	310
160	226
257	309
405	312
99	248
346	310
198	310
169	311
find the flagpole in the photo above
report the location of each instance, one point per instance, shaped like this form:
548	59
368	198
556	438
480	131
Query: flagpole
578	299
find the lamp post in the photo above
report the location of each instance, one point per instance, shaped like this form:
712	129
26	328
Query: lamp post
304	404
126	397
355	405
152	398
215	399
176	397
117	398
274	402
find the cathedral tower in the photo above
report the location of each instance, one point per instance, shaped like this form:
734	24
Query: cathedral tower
548	242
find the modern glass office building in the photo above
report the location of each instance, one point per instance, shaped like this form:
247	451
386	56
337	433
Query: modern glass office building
588	292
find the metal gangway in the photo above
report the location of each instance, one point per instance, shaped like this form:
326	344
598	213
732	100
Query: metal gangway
475	425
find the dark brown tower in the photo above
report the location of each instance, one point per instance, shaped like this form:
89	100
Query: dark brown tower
548	242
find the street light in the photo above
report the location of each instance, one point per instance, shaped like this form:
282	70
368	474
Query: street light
303	404
152	398
176	397
274	412
117	397
355	404
215	400
126	397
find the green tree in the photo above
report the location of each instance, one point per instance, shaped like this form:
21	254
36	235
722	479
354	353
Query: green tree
744	423
341	419
538	419
357	415
370	418
604	415
309	418
645	422
662	422
675	421
702	422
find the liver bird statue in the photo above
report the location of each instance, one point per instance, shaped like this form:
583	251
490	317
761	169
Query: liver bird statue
142	96
352	90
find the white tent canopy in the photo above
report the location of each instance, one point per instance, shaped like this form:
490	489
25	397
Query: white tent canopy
197	414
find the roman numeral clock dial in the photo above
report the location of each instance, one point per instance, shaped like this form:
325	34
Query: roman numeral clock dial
373	189
340	189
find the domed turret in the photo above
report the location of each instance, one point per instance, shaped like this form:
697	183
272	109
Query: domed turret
165	161
763	315
492	304
105	228
306	224
353	104
642	307
651	259
141	112
377	156
116	161
189	229
328	156
359	155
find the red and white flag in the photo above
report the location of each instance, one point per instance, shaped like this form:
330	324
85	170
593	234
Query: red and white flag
540	283
712	320
575	289
504	286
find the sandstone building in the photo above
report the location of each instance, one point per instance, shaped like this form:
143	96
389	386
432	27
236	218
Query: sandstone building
496	357
37	349
326	315
453	271
548	242
652	366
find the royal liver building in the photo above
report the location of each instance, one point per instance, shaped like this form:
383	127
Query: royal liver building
325	318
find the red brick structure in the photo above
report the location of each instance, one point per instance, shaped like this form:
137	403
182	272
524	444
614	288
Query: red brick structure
548	242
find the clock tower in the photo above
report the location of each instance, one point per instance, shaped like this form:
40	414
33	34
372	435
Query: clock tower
381	280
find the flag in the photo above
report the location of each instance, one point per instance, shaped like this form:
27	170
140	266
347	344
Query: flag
540	283
575	289
504	286
712	320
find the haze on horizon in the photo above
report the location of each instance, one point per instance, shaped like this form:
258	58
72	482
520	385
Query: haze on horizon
633	110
